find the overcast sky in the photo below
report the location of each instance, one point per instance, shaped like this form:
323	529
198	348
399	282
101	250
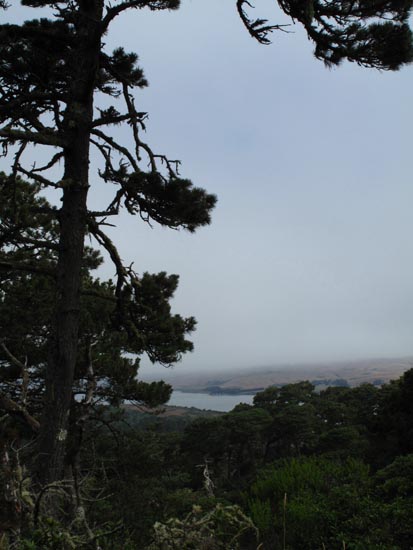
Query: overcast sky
310	253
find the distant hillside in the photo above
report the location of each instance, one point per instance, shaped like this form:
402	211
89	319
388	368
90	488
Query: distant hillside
353	373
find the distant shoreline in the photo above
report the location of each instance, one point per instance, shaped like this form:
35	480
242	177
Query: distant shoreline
219	391
249	382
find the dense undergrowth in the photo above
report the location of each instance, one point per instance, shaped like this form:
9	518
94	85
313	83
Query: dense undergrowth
298	470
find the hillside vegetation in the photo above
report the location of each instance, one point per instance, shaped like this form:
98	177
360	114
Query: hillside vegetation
297	470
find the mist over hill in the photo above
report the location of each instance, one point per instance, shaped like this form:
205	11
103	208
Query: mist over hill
353	373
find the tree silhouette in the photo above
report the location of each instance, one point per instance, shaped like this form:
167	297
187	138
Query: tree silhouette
50	73
375	33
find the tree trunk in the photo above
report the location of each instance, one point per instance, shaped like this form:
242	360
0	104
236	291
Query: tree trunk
73	222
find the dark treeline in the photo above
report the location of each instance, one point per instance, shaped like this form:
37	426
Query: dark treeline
312	470
296	470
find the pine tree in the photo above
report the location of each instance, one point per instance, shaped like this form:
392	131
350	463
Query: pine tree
103	341
108	351
108	355
51	70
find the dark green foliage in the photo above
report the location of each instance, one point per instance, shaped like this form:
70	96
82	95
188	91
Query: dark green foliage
171	419
27	220
371	33
393	422
396	479
172	202
35	50
143	473
329	496
394	488
385	45
295	427
232	444
267	398
151	4
145	316
318	502
120	66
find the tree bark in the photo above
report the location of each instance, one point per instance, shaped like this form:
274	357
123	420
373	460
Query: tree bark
73	221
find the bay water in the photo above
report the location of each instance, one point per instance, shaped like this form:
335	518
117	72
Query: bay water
214	402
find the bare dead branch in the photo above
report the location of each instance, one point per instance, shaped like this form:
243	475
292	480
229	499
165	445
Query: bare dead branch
17	158
14	408
52	162
12	358
257	28
131	110
56	485
37	177
108	245
110	141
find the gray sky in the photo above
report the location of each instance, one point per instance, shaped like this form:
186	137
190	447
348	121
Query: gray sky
309	256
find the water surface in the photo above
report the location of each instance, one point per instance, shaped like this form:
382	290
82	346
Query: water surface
217	402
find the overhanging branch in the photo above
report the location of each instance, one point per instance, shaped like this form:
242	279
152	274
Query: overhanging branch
49	138
258	28
7	265
138	4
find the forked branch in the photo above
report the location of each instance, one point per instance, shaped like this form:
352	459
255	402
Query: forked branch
258	28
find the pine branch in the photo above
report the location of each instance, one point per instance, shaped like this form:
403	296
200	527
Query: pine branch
111	249
99	295
106	121
257	28
9	105
137	4
119	148
49	138
50	164
7	265
37	243
37	177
